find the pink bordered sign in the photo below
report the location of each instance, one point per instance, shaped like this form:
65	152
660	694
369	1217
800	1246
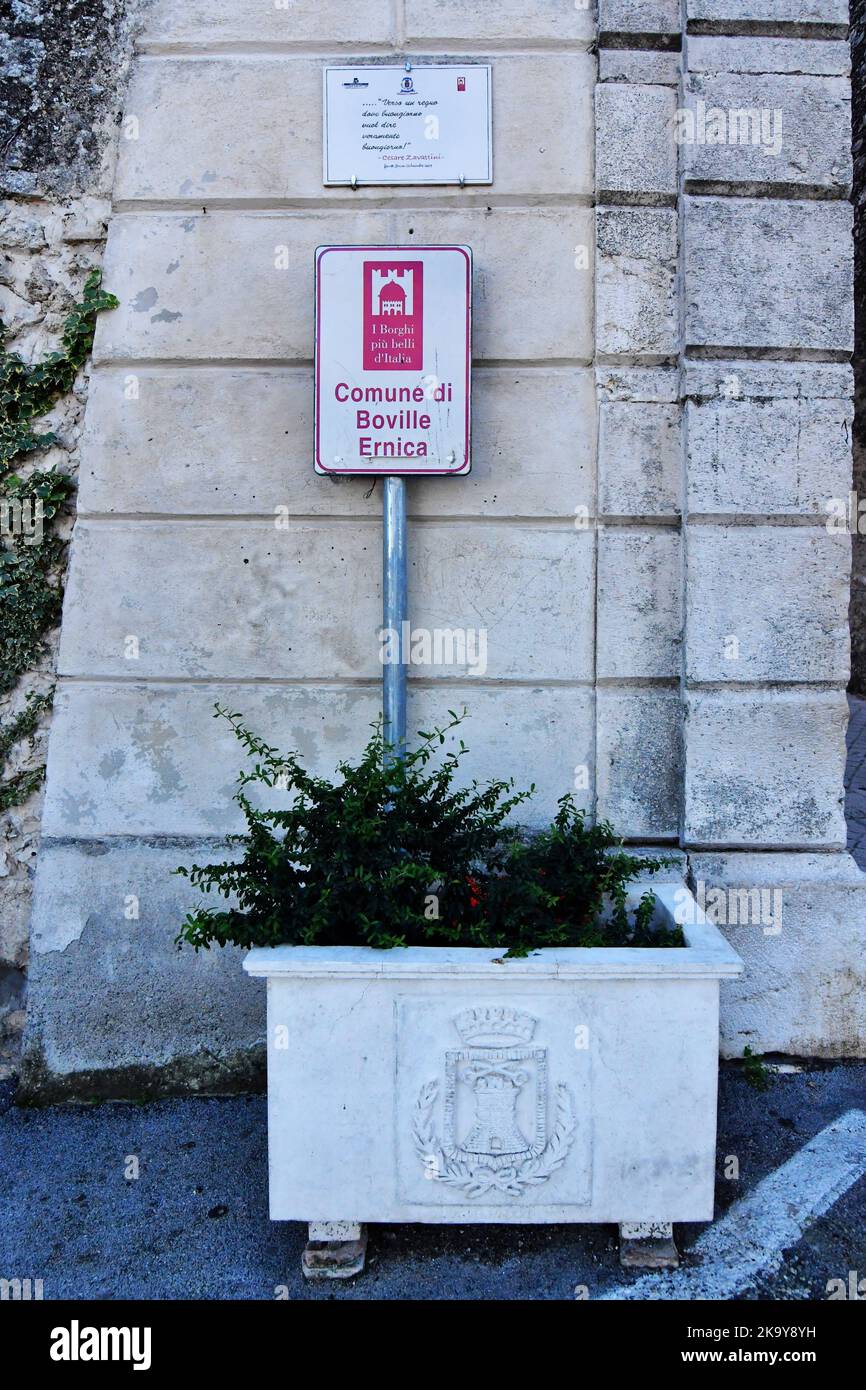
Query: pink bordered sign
393	360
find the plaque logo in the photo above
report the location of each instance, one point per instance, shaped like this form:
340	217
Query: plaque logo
393	316
495	1129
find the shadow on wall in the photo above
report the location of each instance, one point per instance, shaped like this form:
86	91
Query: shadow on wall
855	780
858	197
855	770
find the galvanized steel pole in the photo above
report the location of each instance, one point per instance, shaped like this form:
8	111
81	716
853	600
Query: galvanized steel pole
395	614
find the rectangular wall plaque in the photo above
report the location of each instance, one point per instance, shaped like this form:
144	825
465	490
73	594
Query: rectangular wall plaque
393	333
430	124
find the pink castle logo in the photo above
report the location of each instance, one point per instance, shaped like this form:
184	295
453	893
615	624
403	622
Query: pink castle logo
393	316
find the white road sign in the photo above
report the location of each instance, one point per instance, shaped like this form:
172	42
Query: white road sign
422	125
393	359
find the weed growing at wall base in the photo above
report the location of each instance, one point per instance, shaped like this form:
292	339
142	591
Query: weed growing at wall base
755	1072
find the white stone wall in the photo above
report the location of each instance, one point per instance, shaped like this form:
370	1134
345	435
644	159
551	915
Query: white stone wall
199	428
662	404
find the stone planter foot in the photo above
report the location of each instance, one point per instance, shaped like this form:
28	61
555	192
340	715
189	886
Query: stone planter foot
335	1250
647	1245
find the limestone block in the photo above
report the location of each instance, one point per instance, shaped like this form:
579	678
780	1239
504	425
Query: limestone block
647	1245
548	153
639	761
221	441
150	759
636	282
736	379
334	1258
767	603
646	65
526	587
749	283
218	24
656	384
828	14
634	140
639	613
214	599
788	130
16	313
439	20
22	233
110	995
639	459
88	220
15	900
762	55
753	777
802	937
335	1230
637	233
782	456
213	286
185	149
639	16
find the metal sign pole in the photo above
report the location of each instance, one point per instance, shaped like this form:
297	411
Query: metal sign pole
384	316
395	613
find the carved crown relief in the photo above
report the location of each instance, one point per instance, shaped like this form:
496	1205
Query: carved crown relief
495	1134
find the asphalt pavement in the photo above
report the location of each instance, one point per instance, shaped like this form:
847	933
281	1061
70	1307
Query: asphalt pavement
194	1223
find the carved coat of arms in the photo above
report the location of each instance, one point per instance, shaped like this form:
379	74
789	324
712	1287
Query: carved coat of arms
495	1109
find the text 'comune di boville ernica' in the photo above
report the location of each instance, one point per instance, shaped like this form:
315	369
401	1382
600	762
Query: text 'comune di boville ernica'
410	418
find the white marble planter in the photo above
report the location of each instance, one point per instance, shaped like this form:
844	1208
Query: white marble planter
448	1085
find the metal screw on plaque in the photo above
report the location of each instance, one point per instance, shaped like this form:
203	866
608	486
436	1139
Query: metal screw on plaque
462	180
354	181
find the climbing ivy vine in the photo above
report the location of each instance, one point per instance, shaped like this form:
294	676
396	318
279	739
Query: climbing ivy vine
31	574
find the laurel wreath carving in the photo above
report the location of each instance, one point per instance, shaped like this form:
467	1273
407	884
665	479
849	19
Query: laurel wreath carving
446	1165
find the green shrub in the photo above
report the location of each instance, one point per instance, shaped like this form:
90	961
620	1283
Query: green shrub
398	855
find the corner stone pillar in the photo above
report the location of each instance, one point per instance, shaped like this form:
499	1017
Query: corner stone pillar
746	140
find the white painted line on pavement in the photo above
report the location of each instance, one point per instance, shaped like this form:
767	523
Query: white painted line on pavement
750	1238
